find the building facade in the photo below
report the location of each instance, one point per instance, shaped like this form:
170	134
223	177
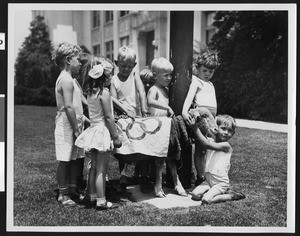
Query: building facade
103	32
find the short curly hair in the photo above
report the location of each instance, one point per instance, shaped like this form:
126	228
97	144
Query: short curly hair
159	63
62	50
208	58
226	120
126	52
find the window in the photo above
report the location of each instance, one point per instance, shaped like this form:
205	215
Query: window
109	46
124	41
96	19
123	13
96	50
210	29
109	16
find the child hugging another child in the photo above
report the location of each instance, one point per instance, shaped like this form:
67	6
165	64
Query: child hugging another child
215	188
69	119
201	94
129	99
101	134
158	104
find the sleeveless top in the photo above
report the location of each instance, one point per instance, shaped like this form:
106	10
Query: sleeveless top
162	99
97	135
77	103
95	109
205	95
218	163
127	93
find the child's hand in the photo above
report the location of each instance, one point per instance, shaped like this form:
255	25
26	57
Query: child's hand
193	124
187	118
117	143
170	112
144	112
76	134
130	114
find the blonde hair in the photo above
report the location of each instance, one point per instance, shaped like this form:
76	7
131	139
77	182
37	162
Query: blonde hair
226	120
62	50
126	52
161	63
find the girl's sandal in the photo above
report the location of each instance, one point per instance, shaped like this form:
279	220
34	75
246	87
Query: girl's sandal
159	193
181	191
106	206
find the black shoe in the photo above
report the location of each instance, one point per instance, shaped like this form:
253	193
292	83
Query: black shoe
121	188
106	206
236	195
122	184
196	197
145	185
74	194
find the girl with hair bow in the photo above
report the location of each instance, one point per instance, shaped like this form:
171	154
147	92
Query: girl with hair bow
101	137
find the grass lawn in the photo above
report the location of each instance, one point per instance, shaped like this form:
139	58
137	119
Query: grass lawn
258	169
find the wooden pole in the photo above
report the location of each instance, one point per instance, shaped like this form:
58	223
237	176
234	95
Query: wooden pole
181	56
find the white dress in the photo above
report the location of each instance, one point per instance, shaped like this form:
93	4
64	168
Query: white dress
97	135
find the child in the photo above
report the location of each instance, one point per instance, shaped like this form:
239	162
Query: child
69	119
99	136
201	93
128	95
141	170
147	79
83	59
158	102
216	185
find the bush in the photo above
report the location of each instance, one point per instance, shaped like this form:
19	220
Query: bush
252	79
42	96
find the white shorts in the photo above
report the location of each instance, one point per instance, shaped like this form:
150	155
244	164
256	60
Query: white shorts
64	139
215	182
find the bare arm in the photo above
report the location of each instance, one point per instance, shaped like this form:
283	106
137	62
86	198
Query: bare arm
188	102
153	102
108	116
67	89
222	146
142	94
83	99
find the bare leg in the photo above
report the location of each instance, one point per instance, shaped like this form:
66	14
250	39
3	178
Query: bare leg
158	180
101	169
61	176
178	186
73	170
214	195
123	178
199	191
199	161
92	174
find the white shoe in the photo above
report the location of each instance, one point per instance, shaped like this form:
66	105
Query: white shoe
65	200
180	190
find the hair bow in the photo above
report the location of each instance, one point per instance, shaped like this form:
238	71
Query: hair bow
96	71
107	66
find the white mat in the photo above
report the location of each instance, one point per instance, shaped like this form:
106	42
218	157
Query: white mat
170	201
